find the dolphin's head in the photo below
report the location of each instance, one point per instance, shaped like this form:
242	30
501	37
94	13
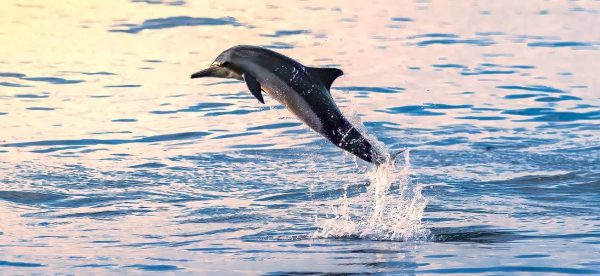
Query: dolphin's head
222	67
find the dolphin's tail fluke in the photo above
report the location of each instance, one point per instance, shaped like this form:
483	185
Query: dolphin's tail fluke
395	155
391	159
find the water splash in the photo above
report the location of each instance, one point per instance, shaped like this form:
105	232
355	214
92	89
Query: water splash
391	209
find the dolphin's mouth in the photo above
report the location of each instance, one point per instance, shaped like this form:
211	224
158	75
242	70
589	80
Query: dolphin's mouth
213	71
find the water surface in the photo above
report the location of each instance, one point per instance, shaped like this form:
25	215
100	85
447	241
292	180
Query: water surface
113	161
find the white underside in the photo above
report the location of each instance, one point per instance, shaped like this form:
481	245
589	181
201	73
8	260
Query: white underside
279	90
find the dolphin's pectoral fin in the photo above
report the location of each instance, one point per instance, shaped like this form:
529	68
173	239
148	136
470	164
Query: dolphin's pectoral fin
326	75
254	87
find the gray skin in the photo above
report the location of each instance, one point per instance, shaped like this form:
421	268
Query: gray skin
302	90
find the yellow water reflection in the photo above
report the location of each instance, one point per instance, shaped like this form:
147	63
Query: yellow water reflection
149	71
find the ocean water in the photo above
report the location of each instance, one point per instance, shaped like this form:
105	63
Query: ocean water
113	161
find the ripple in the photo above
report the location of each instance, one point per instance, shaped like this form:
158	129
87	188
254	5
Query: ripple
537	88
520	96
511	269
274	126
450	39
154	267
446	106
200	107
535	180
434	35
124	120
20	264
173	22
567	116
449	141
488	72
225	136
476	234
52	80
216	250
477	42
252	146
532	111
234	218
12	84
12	75
100	73
103	215
450	65
550	115
151	165
530	256
558	99
402	19
483	118
522	66
483	69
572	44
281	33
24	197
412	110
88	142
54	149
386	90
96	265
32	96
39	108
276	235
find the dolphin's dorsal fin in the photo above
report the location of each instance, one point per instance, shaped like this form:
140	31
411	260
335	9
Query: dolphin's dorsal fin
326	75
254	87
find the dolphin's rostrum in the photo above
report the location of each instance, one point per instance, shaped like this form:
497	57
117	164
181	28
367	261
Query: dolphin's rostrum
302	90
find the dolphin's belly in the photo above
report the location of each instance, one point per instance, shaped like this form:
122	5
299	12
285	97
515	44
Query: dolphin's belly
279	90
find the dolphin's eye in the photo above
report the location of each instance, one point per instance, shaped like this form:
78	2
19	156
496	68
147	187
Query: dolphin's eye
219	63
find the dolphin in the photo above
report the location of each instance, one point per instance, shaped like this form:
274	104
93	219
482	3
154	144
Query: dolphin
303	90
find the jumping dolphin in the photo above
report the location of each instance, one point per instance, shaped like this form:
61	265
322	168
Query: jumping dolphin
302	90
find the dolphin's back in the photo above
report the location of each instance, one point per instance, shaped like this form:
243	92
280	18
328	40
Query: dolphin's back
282	66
